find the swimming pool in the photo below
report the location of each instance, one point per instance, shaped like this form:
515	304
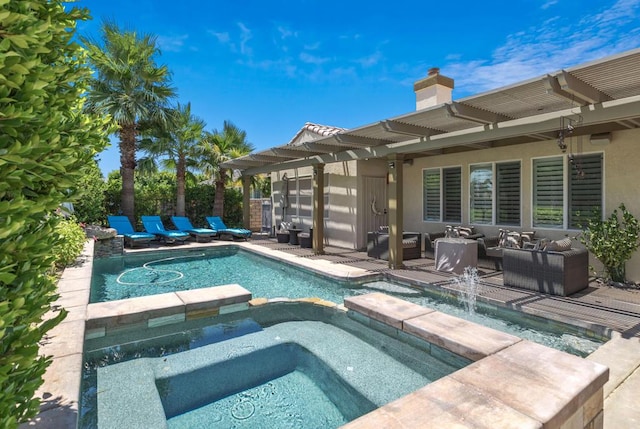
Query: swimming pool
301	368
161	272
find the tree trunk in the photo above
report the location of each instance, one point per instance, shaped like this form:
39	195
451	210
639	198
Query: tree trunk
180	180
218	201
127	169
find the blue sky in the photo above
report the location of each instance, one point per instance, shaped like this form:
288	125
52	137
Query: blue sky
271	66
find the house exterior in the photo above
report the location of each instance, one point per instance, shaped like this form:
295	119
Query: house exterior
540	155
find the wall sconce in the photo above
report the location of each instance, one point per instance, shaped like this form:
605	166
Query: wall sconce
315	172
392	164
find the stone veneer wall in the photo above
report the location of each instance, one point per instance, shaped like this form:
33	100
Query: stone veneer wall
109	247
256	215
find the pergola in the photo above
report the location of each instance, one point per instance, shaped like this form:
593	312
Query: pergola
600	96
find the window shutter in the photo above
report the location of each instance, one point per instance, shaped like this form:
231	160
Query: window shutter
548	192
481	184
452	194
431	195
508	193
585	189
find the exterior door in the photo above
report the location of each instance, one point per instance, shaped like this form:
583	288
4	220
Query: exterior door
375	203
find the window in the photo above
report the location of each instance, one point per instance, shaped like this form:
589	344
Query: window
583	191
442	193
494	193
452	194
508	193
327	192
481	193
305	197
431	195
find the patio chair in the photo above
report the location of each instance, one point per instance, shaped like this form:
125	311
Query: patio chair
154	225
217	224
123	226
182	223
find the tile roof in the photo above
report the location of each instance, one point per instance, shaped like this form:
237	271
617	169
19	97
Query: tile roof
320	130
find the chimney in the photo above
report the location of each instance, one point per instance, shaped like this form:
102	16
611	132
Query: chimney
433	90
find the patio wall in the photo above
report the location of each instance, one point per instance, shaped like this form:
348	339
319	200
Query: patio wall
621	175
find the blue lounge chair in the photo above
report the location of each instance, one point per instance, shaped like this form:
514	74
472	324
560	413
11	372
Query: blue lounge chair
183	224
154	225
122	225
216	223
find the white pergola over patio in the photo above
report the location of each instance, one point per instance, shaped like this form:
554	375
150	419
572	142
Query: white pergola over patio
602	96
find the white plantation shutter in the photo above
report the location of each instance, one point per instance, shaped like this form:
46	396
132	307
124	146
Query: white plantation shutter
508	193
548	194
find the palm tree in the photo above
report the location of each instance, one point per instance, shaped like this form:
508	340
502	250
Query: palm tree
129	87
218	147
177	144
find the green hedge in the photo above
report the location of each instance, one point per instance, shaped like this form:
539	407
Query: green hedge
45	143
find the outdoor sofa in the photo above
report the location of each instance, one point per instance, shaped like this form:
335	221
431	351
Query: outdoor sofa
378	245
553	272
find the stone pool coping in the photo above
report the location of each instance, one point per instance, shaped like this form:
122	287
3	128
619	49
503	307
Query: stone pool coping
64	343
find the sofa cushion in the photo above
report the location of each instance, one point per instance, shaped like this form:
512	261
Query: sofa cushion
409	243
464	231
558	245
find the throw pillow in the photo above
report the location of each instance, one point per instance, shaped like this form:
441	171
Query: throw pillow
527	236
464	231
513	240
450	232
502	237
563	245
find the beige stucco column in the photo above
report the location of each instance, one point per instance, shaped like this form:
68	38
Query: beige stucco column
318	209
394	192
246	201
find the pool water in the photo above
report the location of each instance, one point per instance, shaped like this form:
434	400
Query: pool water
149	274
278	399
252	374
160	272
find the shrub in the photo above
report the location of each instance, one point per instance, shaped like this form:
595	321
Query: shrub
90	205
45	140
612	241
70	242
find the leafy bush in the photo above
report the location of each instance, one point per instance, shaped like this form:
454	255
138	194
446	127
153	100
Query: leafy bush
45	141
612	241
90	204
70	242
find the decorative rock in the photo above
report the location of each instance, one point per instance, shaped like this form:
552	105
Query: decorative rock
99	232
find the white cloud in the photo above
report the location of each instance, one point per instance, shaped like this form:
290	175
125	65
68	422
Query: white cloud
171	43
223	38
245	36
313	59
370	60
548	4
556	43
286	33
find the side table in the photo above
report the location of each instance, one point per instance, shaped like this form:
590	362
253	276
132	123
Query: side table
293	235
453	255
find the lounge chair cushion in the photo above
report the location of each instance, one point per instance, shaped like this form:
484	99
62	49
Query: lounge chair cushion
153	225
122	225
217	224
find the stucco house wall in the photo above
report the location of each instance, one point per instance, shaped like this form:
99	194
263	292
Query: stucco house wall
621	176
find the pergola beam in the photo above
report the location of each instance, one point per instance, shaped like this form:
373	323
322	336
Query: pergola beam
359	141
473	114
575	86
567	86
402	128
289	153
321	148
